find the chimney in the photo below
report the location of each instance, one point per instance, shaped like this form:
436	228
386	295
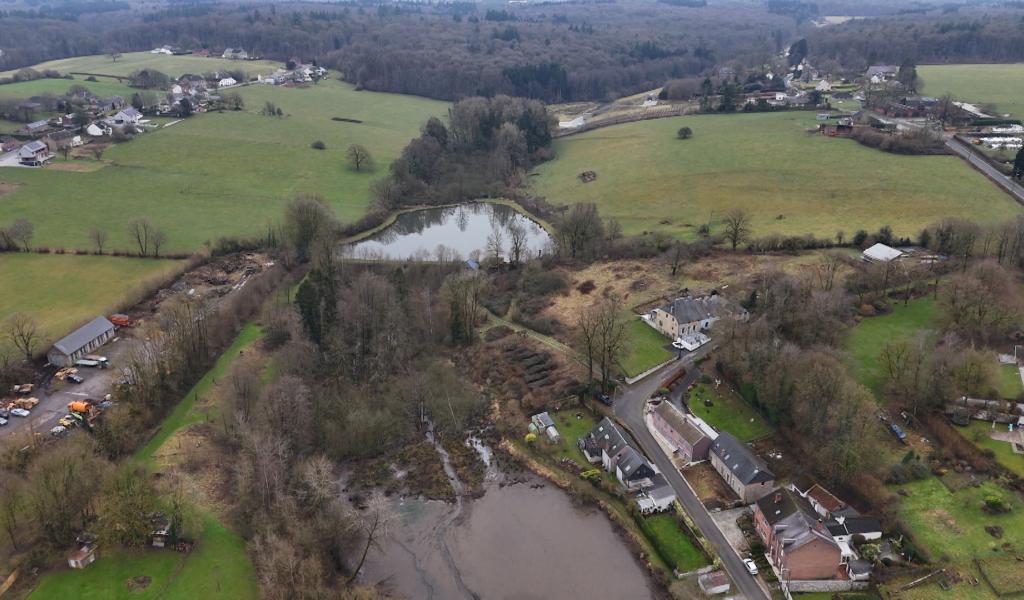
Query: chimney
778	497
820	526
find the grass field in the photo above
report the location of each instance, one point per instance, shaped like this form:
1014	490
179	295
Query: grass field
728	412
175	66
1001	85
768	164
59	87
1010	385
62	291
978	432
677	549
217	568
869	337
220	174
952	525
645	348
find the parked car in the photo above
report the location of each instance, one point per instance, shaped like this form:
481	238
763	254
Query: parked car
750	565
5	413
678	345
603	398
20	412
58	431
3	422
74	378
68	421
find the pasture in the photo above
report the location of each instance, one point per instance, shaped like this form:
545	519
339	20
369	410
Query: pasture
790	181
998	85
222	174
645	348
59	87
867	339
63	291
175	66
728	412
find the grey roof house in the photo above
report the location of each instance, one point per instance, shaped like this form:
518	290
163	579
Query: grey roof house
690	314
744	472
80	342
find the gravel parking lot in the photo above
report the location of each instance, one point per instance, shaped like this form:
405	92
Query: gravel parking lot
55	395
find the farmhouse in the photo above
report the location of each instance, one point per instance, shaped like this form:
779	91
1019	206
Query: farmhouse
607	445
111	103
235	54
823	86
227	82
880	73
63	139
795	537
80	342
880	253
687	440
691	315
34	154
128	116
744	472
36	128
96	131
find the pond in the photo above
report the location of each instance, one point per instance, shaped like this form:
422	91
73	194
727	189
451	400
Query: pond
451	233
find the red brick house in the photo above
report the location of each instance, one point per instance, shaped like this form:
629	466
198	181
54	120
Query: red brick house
795	537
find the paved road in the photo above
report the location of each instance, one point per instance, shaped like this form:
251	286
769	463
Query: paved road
1008	184
629	408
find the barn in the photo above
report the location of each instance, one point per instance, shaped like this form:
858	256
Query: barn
80	342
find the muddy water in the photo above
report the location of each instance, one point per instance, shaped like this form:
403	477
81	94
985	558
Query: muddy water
517	542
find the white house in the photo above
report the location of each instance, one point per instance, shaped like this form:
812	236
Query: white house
34	154
162	50
823	86
881	253
227	82
128	116
96	131
689	315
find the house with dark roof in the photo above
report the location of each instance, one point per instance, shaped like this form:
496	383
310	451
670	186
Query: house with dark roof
82	341
37	128
607	445
795	536
659	497
689	315
633	471
880	73
687	440
742	471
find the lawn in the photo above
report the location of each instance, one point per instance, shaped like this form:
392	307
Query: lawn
645	348
1001	85
62	291
728	412
218	567
978	432
1010	385
791	182
869	337
175	66
59	87
676	548
952	525
182	414
222	174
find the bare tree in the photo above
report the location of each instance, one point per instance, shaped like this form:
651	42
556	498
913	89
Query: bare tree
359	158
12	500
495	244
580	230
98	237
308	224
737	226
586	337
159	239
516	243
114	55
374	525
97	150
141	230
675	256
21	232
23	333
602	336
827	268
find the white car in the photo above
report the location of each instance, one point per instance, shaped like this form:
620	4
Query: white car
20	412
678	345
751	567
3	422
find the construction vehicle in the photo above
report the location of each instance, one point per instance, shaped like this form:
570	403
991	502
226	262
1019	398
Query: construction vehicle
62	374
121	320
84	410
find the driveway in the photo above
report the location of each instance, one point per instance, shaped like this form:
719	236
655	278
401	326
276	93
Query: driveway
726	521
629	408
11	160
54	395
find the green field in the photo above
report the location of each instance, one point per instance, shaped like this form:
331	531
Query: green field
678	550
978	432
221	174
62	291
645	348
870	335
1010	385
175	66
1000	85
59	87
216	568
728	412
791	182
953	525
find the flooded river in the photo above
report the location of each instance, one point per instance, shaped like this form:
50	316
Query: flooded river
518	542
455	232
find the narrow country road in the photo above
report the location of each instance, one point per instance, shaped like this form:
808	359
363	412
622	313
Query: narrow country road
629	408
967	153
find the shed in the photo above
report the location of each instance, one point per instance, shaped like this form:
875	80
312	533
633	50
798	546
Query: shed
83	557
714	583
881	253
80	342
